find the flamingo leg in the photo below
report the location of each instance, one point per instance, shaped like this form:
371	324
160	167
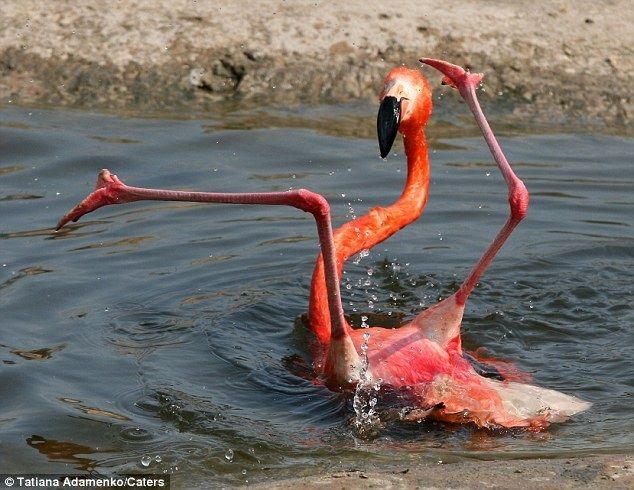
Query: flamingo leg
466	84
342	357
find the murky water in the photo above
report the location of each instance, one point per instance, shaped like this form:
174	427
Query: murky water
157	337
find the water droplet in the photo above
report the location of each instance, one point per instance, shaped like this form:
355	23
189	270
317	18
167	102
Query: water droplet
158	459
229	455
488	174
146	460
370	271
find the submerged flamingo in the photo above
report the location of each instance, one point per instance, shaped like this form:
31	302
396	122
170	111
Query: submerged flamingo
425	355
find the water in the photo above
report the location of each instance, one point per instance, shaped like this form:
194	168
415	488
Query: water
159	337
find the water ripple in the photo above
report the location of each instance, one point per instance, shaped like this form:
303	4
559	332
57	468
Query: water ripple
172	329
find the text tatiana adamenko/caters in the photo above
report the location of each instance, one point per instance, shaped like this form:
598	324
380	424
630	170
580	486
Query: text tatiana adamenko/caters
87	481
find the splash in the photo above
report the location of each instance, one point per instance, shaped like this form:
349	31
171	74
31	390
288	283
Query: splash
364	400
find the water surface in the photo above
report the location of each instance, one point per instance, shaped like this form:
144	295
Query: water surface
167	329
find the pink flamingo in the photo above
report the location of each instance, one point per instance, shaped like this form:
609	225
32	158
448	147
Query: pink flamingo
424	355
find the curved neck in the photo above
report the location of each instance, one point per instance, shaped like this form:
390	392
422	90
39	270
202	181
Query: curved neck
376	226
417	183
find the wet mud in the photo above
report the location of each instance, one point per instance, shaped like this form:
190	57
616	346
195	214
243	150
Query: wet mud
552	61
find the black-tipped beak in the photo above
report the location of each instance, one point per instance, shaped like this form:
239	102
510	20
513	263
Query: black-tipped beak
387	123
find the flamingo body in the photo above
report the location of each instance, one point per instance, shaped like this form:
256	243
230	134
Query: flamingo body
424	356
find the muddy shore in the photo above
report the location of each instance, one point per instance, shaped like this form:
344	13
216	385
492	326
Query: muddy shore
610	472
551	60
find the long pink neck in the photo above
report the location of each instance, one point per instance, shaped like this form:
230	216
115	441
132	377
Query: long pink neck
367	231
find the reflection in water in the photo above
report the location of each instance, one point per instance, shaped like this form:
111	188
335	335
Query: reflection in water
17	197
37	354
115	140
65	452
23	273
284	177
78	405
11	169
362	125
133	241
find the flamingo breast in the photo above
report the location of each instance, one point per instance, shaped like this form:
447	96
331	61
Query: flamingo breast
404	357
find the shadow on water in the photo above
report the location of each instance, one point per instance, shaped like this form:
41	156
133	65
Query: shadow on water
162	337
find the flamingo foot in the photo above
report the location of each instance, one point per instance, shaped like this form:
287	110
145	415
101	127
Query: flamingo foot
108	190
455	76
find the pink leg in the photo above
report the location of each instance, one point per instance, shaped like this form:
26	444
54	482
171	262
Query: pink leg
110	190
466	84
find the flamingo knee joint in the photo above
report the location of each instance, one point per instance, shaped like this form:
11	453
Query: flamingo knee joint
313	203
519	200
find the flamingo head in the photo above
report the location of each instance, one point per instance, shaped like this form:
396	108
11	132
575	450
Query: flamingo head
405	105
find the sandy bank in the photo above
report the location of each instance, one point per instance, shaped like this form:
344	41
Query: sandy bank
605	472
551	59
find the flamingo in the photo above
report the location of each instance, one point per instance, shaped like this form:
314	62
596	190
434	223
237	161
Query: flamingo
423	356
